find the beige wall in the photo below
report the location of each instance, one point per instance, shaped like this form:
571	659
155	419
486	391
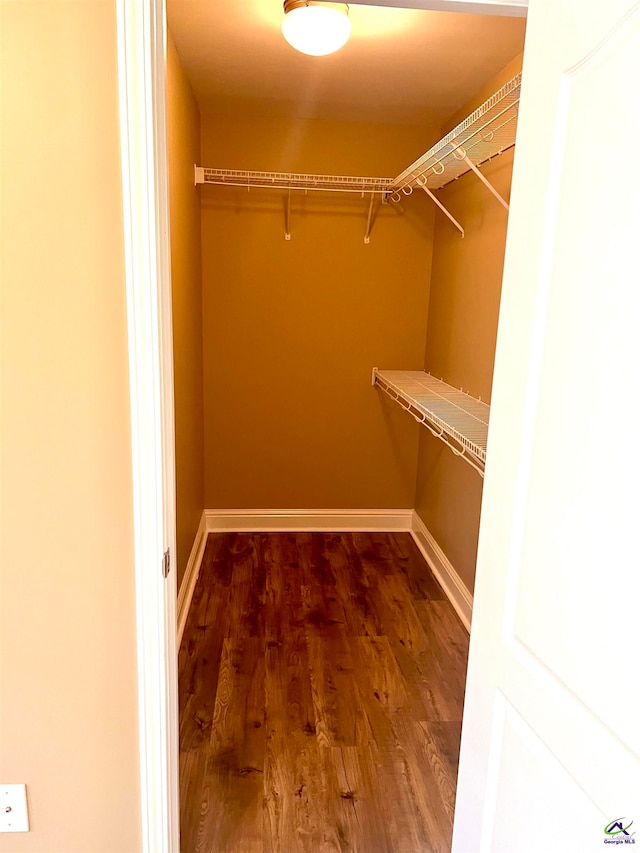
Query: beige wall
461	336
292	329
183	118
68	647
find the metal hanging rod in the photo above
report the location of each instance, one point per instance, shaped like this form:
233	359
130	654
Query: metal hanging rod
293	181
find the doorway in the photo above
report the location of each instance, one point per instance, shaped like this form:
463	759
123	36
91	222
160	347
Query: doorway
165	307
267	316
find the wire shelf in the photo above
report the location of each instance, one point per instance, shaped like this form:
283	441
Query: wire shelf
292	181
448	413
488	131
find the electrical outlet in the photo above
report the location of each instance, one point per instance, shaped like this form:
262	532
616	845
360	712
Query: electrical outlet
13	808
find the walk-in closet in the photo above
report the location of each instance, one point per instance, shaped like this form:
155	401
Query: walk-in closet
338	227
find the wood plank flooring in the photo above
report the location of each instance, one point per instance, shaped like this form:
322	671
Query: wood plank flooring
321	687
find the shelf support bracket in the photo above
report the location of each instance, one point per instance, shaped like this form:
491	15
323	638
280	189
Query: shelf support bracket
367	236
287	217
461	154
443	209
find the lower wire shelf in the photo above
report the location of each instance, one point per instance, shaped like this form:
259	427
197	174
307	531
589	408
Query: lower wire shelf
459	420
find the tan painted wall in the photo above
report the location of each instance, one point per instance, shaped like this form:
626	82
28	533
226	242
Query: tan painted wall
183	118
293	329
68	649
461	337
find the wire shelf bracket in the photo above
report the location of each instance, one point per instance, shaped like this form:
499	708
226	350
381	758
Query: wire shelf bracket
447	213
488	132
367	233
452	416
287	220
461	154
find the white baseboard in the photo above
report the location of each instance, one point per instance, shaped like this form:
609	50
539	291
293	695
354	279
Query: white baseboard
448	578
185	594
319	520
309	520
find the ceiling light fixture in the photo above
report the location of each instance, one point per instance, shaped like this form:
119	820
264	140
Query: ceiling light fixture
316	28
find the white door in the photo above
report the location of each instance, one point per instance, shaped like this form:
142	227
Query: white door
551	733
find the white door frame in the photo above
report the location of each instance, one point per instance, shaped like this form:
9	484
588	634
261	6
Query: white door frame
143	131
512	8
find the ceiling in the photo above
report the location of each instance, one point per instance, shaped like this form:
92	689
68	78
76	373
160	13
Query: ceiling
404	66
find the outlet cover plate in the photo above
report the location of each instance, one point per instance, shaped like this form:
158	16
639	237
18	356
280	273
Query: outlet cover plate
13	808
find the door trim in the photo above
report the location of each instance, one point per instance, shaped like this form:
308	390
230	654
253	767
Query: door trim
514	8
143	139
190	577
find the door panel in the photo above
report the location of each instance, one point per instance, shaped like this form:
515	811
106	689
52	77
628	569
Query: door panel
550	734
581	462
543	779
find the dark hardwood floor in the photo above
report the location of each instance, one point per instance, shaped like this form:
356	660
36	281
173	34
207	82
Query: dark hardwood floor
321	688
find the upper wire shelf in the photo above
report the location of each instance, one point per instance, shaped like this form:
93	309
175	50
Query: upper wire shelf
488	131
293	181
456	418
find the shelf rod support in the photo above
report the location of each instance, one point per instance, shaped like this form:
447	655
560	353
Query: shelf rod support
287	221
443	209
487	184
367	235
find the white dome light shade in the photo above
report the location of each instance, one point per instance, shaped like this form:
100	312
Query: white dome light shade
317	29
